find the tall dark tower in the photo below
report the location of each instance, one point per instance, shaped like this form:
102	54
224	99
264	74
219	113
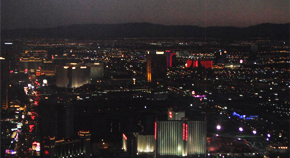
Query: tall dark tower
156	67
85	143
6	57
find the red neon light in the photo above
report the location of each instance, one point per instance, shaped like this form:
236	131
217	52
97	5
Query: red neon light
195	63
31	128
35	103
26	70
183	132
124	136
155	132
189	62
46	152
11	71
35	143
170	114
171	55
186	133
32	117
207	63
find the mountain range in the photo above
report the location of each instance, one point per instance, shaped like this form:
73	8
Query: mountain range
143	30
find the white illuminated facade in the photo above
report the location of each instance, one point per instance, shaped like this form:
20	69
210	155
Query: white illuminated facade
75	75
196	141
145	144
180	138
170	138
124	142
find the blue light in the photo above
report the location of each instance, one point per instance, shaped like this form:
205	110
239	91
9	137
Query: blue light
245	117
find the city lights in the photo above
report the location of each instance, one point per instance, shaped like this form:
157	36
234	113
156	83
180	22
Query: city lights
168	97
254	132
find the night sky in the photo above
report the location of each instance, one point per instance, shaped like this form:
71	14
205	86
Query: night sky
50	13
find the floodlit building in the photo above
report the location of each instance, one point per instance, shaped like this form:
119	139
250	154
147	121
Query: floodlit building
75	75
30	63
78	76
72	76
156	66
175	137
145	144
61	76
67	148
180	138
96	70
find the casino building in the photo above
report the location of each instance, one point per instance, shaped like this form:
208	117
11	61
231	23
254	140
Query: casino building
175	137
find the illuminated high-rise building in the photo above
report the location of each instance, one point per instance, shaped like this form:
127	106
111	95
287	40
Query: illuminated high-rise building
175	137
72	76
96	70
78	76
180	138
61	75
156	66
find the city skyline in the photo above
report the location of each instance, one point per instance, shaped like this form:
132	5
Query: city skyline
45	14
144	78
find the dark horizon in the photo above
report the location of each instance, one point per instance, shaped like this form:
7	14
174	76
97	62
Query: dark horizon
145	30
214	26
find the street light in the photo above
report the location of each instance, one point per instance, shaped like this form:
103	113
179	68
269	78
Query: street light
218	127
241	129
254	132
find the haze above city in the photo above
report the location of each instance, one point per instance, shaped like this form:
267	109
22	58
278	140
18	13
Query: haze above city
52	13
